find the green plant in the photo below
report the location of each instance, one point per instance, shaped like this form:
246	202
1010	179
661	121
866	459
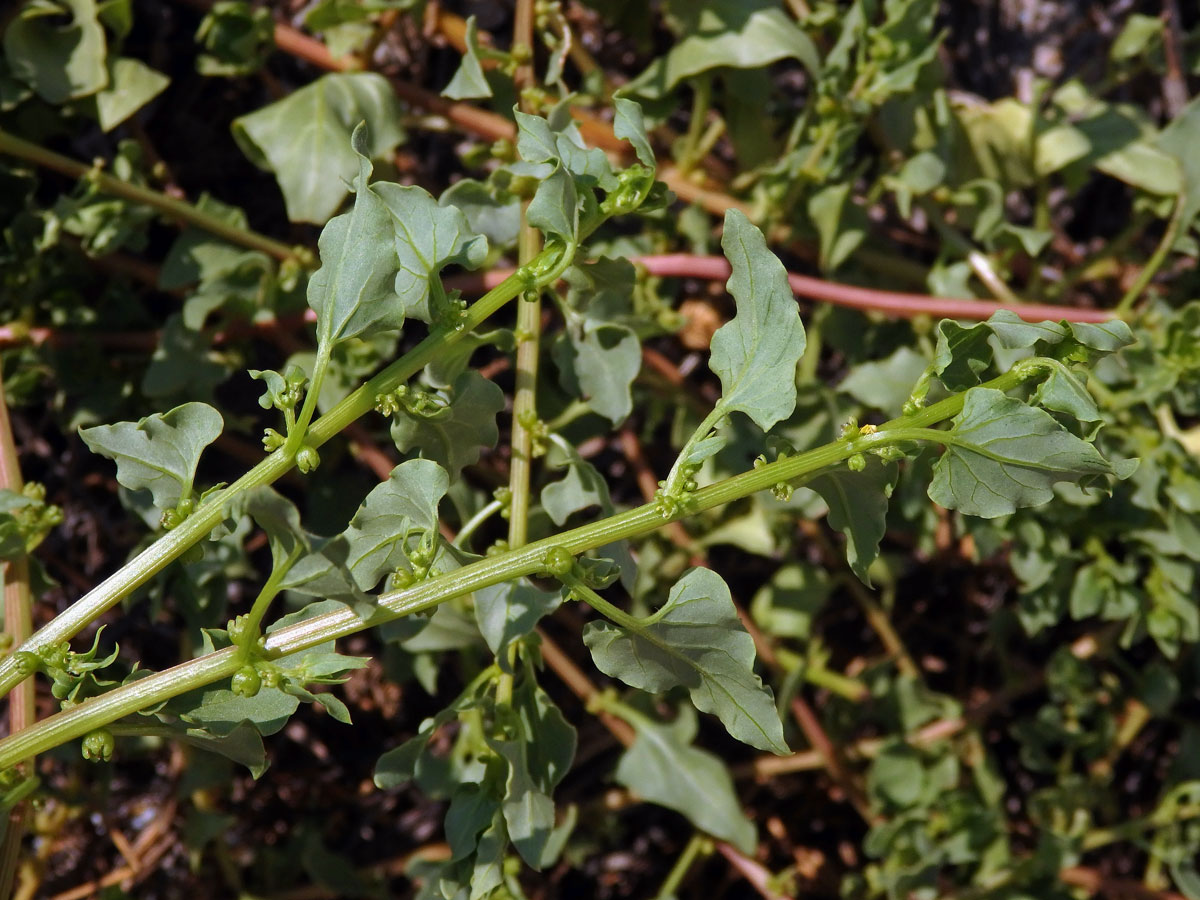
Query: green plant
1016	428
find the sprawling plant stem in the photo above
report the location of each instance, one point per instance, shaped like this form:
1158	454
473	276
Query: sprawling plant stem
169	206
425	595
208	515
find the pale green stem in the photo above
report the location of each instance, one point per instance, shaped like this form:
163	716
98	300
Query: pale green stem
426	595
473	523
529	329
671	485
698	844
1155	262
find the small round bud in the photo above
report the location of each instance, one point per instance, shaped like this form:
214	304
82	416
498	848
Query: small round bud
98	745
27	663
559	561
246	682
401	579
307	460
857	462
270	677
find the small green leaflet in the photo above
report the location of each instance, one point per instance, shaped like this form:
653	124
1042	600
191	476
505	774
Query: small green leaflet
508	611
858	505
663	767
455	434
131	85
353	291
469	82
1002	455
427	238
305	139
405	504
695	640
755	354
160	452
629	125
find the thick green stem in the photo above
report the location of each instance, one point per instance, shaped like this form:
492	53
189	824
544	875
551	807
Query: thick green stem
169	206
529	329
426	595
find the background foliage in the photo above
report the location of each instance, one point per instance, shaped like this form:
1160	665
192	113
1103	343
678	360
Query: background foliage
991	695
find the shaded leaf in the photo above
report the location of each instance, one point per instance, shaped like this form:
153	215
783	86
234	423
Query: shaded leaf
455	434
662	767
61	61
697	641
469	82
305	138
858	505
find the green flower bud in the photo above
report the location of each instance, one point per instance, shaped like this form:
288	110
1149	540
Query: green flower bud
559	561
857	462
246	681
27	663
307	460
98	745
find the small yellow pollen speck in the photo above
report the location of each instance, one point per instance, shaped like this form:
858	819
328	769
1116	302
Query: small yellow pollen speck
868	429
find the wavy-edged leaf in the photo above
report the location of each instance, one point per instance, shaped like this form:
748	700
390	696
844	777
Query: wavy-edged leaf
455	434
629	125
61	61
739	34
427	238
405	504
663	767
858	505
353	291
469	82
755	353
508	611
697	641
160	452
305	138
1002	455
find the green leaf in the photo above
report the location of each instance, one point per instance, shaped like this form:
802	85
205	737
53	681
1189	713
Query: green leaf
221	711
695	640
962	353
858	505
237	39
469	82
740	34
581	488
841	224
243	745
508	611
427	238
755	354
353	291
160	452
498	218
1002	455
182	363
887	384
555	206
131	85
61	61
305	139
662	767
404	505
629	125
1180	139
538	757
455	434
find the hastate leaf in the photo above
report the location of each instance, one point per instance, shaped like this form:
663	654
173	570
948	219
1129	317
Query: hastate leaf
755	354
61	61
662	767
508	611
305	138
455	434
427	237
158	453
353	291
469	82
695	640
1002	455
405	504
858	504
